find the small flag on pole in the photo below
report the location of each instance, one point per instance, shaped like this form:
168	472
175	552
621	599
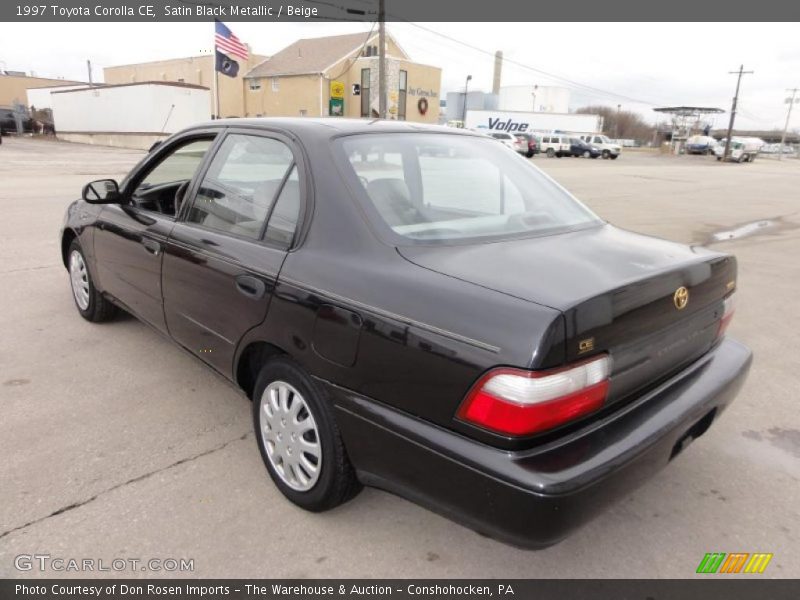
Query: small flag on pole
226	66
227	43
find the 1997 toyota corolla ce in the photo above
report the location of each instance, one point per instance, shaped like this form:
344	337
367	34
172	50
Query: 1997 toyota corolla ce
417	309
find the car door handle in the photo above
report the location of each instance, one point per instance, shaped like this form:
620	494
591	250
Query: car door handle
152	246
250	286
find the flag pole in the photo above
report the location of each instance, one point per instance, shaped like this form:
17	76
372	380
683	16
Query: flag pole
216	88
216	75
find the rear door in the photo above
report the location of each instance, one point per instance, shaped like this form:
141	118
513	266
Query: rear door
225	252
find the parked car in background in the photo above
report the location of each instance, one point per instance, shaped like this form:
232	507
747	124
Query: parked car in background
555	144
531	144
508	139
453	326
580	148
700	144
786	149
8	121
743	149
607	148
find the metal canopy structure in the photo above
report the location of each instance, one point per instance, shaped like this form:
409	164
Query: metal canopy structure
687	120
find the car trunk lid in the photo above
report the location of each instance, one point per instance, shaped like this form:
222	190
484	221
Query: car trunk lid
616	290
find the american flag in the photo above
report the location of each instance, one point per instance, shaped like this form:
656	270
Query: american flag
227	43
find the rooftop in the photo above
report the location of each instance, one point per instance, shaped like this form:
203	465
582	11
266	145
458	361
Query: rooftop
311	55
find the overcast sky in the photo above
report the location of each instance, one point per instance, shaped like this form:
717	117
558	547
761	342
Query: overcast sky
637	65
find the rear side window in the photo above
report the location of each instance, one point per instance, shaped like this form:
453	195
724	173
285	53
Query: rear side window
241	184
439	187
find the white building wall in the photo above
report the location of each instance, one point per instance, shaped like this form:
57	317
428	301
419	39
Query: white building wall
540	122
531	98
143	108
41	98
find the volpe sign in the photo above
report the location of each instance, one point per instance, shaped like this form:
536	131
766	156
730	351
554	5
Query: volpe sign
509	125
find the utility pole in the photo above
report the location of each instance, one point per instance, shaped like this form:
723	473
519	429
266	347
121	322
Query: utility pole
89	68
740	72
616	123
791	102
382	60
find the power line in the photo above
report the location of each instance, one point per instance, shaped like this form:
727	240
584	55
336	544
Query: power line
570	82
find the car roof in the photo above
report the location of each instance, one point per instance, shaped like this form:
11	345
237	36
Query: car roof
329	127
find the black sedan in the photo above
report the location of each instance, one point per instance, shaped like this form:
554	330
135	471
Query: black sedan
577	147
417	309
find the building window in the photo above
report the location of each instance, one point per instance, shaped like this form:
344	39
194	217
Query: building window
365	93
181	80
276	84
401	99
303	112
254	84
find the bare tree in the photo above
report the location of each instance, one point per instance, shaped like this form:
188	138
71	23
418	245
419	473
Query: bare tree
626	124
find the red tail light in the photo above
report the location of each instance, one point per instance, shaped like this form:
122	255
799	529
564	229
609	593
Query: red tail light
728	308
518	402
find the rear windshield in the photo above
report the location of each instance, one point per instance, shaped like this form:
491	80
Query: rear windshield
441	187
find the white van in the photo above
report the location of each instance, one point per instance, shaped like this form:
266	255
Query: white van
554	144
607	147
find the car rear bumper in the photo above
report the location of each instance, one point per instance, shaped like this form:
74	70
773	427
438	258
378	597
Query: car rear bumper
534	498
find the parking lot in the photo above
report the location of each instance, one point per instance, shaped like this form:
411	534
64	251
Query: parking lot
117	444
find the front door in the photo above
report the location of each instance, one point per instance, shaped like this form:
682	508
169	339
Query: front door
130	237
225	252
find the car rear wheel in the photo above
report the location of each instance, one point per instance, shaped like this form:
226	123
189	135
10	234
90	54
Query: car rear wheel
613	156
299	440
550	153
88	300
587	154
606	154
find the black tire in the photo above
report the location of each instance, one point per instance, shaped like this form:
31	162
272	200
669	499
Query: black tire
98	308
550	153
529	154
613	156
337	482
606	154
587	154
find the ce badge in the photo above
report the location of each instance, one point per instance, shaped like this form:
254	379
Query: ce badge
681	298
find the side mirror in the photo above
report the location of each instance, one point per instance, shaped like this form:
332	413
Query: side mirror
102	191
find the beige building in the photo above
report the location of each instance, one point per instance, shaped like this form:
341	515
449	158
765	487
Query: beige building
13	88
196	70
338	76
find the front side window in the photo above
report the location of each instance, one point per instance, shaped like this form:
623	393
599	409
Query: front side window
241	184
177	167
440	188
276	84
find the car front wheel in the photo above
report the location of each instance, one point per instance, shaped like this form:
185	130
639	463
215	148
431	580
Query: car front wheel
606	153
550	153
299	440
587	154
89	301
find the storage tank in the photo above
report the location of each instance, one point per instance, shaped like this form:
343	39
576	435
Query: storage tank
534	98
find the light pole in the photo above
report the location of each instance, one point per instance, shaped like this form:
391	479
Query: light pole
616	124
533	93
464	113
790	102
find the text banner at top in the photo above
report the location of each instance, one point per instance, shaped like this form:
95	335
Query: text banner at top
400	10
